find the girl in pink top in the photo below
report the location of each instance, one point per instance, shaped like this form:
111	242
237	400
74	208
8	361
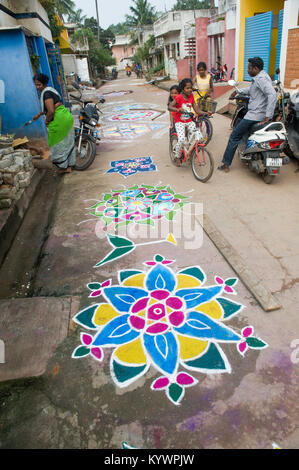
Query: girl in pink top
181	106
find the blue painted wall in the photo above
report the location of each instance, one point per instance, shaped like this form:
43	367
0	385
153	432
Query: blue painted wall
44	66
21	97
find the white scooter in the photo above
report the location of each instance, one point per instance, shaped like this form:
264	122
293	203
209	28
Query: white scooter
261	150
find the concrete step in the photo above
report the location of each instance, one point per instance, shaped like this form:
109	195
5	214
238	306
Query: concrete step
30	331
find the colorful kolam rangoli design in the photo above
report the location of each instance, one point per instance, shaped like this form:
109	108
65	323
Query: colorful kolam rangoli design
130	167
124	131
140	204
118	93
136	115
170	321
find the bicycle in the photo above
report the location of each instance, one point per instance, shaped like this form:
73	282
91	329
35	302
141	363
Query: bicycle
202	162
207	105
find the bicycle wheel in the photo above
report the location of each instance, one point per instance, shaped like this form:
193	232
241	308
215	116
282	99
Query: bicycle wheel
202	164
172	147
87	153
206	128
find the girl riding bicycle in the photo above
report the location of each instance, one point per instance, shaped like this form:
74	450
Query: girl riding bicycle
174	91
181	107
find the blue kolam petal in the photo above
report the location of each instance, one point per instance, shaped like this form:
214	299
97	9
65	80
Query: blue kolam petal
116	332
195	297
163	351
200	326
122	298
161	277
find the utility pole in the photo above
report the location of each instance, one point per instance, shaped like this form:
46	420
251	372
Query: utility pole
97	9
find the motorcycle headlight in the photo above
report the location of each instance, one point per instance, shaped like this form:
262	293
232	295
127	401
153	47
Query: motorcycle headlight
93	122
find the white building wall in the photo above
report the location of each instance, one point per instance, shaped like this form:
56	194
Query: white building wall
82	67
32	24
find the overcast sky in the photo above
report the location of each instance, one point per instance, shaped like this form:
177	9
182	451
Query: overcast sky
114	11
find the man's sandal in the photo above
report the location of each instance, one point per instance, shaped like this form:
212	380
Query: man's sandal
224	168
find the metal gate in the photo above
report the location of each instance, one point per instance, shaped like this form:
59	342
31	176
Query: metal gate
278	46
56	66
258	30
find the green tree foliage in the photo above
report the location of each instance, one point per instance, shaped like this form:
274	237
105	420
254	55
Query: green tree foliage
143	52
57	7
191	5
99	56
119	28
142	13
77	17
107	36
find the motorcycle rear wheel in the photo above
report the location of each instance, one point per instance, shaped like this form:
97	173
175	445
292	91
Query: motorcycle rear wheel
268	179
87	152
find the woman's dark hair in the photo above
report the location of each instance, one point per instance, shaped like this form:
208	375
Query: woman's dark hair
257	62
41	77
183	83
174	87
202	65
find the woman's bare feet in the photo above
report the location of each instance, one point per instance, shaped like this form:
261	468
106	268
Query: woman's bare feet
67	170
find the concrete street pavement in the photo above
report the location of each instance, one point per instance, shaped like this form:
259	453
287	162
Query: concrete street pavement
75	404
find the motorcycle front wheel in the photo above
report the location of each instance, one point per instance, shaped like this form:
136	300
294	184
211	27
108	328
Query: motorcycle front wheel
87	153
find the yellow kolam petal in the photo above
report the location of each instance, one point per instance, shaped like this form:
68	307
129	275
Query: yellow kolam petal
185	281
171	239
131	353
212	309
104	314
191	348
135	281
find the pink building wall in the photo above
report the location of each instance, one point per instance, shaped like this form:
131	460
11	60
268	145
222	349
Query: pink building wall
183	68
120	52
202	40
229	49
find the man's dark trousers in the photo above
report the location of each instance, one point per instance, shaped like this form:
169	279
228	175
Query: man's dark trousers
235	138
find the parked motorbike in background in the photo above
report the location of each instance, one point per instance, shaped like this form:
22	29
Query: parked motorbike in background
287	110
87	134
219	74
261	149
292	126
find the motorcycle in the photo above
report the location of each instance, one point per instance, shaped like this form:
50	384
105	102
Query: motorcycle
292	126
87	134
287	110
261	148
219	74
129	73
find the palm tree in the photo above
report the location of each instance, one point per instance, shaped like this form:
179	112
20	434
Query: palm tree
77	17
142	13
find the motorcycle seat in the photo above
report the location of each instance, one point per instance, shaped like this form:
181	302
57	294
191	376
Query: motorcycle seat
276	126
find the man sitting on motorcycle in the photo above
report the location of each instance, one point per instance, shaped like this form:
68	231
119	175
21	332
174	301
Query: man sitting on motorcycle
262	102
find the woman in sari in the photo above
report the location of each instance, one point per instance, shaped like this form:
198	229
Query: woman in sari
60	124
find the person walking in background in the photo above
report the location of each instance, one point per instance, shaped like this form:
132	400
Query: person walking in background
262	102
60	124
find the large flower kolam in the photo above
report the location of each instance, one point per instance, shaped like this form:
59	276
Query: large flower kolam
164	320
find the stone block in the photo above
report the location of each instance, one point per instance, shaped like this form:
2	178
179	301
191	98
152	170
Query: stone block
6	161
7	192
5	203
25	182
7	151
14	169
